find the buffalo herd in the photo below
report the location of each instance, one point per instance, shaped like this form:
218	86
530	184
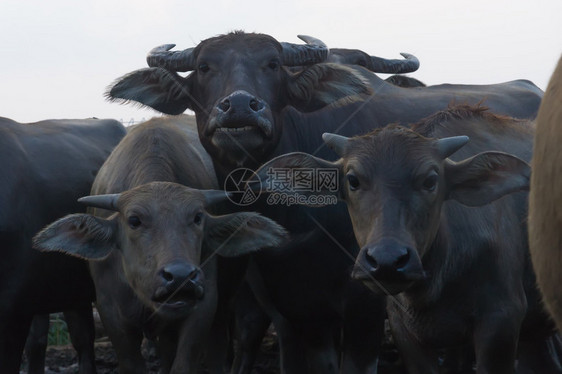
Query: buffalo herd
307	193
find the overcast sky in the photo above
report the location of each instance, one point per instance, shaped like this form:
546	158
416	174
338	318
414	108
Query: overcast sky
59	56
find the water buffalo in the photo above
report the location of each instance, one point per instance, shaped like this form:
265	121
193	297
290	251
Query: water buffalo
249	108
376	64
545	225
46	165
521	91
154	262
436	234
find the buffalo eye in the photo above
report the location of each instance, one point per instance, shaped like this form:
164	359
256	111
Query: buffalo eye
273	64
134	222
430	182
353	182
198	218
203	68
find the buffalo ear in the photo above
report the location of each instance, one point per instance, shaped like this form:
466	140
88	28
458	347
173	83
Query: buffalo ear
157	88
486	177
79	235
242	233
327	83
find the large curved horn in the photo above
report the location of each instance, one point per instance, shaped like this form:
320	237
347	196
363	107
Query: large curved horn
108	201
162	57
214	196
383	65
312	52
336	142
448	146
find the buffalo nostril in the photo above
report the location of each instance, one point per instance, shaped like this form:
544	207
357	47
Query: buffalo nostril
194	276
402	261
224	105
169	277
371	261
256	105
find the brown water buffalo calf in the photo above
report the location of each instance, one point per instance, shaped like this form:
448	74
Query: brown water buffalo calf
154	262
435	235
45	167
545	214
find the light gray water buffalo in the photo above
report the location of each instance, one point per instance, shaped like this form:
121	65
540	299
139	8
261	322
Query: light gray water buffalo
545	213
153	244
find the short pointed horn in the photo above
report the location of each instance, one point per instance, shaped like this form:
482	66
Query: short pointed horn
312	40
162	57
336	142
448	146
214	196
388	66
313	52
108	201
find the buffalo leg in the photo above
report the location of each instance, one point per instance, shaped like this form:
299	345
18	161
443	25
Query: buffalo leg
495	341
543	356
13	334
126	340
37	344
250	326
321	352
80	324
291	347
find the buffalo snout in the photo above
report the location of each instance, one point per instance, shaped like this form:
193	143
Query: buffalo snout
388	260
179	281
240	102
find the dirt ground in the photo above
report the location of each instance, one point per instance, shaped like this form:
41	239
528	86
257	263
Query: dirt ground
62	359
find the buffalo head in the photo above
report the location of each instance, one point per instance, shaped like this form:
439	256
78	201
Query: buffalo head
395	182
165	237
238	87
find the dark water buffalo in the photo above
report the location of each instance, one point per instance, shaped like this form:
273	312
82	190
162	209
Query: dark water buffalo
249	109
374	63
433	231
46	166
154	262
545	219
520	91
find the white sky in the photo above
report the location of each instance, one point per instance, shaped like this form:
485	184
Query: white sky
58	56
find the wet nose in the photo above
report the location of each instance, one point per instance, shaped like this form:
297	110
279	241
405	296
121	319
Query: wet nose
240	101
388	259
383	260
177	274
